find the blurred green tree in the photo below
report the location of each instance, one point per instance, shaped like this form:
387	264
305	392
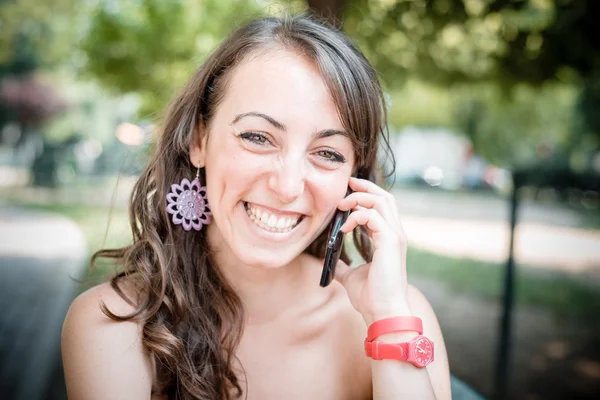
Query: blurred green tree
38	33
35	36
153	46
507	42
448	41
516	130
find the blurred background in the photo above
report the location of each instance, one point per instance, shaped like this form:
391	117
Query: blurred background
495	124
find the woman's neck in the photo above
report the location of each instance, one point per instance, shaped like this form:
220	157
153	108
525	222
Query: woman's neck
266	293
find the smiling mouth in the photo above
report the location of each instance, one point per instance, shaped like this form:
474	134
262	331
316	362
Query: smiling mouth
270	221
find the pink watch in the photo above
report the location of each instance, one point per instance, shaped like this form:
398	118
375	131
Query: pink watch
394	324
418	351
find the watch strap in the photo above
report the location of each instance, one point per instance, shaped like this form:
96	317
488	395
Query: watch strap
394	324
384	351
410	351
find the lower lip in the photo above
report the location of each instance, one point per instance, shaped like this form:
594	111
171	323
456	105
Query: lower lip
272	236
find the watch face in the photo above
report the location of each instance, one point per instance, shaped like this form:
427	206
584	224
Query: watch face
423	351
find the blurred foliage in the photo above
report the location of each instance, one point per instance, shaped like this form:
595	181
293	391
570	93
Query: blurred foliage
420	104
29	101
93	114
534	123
479	53
449	41
483	52
519	77
153	46
38	33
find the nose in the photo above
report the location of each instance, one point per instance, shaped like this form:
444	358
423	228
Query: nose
287	180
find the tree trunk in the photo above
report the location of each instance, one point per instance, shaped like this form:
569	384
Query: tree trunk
329	10
44	169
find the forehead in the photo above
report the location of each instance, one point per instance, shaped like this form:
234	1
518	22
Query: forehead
285	85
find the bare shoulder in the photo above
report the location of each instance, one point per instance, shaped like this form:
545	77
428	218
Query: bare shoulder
439	370
104	359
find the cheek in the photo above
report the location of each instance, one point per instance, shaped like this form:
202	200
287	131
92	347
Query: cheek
328	190
232	172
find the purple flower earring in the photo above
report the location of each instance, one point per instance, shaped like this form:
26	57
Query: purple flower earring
188	204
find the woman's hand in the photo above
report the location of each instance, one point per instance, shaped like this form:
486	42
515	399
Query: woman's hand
377	289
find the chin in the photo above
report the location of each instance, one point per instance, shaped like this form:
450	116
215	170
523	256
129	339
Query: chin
265	258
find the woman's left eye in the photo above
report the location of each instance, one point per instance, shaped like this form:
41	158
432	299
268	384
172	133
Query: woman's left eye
258	138
331	156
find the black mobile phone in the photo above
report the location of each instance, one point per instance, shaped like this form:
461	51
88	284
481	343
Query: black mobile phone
335	242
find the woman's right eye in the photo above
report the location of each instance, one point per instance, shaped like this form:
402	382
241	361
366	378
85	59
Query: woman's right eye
255	137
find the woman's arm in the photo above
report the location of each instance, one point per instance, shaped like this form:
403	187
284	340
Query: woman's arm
104	359
379	289
401	380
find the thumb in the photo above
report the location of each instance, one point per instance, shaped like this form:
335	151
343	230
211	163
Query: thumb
353	279
342	270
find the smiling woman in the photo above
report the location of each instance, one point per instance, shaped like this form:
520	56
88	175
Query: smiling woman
228	304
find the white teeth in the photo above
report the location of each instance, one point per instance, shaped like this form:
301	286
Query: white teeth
270	222
281	223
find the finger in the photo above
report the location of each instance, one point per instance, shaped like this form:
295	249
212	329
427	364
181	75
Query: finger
368	200
367	217
341	271
363	185
380	231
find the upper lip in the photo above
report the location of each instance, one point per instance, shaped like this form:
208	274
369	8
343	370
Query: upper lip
289	213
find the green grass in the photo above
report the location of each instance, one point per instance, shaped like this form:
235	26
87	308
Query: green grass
563	294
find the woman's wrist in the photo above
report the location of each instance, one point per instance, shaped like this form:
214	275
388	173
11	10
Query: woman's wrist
400	309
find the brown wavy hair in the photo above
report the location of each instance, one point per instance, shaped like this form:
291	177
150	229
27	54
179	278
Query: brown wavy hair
192	318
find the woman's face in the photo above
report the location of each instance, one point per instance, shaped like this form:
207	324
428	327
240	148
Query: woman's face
277	159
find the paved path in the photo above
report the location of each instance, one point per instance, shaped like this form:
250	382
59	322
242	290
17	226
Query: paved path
40	254
476	226
536	244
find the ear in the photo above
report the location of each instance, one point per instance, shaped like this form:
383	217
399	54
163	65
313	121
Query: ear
198	147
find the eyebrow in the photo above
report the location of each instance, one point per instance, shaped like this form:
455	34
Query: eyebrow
270	120
278	125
